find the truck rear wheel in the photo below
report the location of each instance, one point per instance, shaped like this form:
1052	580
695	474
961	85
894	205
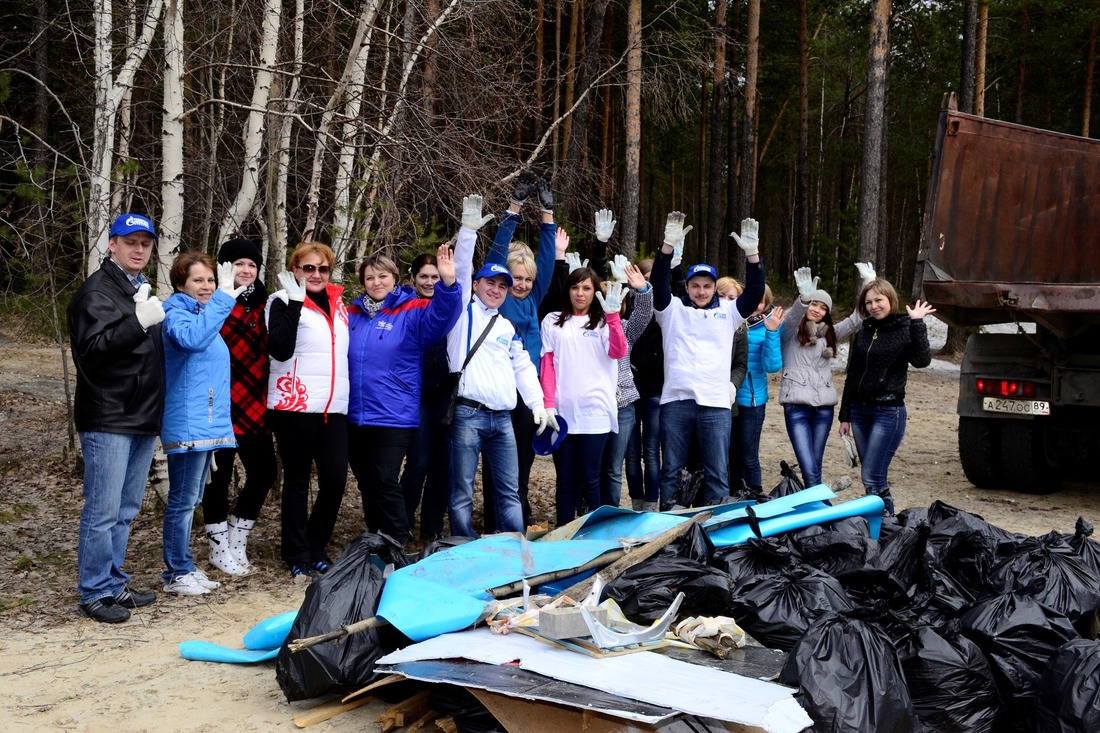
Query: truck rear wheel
1025	458
980	452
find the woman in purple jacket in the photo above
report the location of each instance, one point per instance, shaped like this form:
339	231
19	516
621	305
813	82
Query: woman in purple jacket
390	327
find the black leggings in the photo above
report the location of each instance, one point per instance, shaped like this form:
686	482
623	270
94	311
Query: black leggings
257	454
375	454
304	438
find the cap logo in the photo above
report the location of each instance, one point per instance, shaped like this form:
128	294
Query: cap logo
138	221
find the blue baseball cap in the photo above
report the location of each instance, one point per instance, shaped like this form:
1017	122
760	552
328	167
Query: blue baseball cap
549	441
703	269
493	271
129	223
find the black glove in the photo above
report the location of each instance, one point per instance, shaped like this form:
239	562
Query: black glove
525	185
546	197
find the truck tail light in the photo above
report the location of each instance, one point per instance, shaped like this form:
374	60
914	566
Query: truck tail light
1005	387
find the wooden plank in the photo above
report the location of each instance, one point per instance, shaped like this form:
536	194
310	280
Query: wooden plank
328	710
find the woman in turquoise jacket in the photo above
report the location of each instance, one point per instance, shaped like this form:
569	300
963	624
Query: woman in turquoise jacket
765	357
197	417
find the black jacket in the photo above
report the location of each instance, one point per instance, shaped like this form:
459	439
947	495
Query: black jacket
119	365
879	367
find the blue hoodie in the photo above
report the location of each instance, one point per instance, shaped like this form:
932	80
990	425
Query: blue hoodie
384	353
765	357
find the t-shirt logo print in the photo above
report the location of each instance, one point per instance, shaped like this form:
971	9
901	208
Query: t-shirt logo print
295	396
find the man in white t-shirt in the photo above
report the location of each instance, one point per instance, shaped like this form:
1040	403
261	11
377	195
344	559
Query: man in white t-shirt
697	331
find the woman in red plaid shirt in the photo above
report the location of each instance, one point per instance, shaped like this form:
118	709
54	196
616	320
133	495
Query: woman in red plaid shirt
245	333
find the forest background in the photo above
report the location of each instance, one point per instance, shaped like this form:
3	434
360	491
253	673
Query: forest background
362	123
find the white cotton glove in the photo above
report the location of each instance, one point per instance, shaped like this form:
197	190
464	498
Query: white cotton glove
294	290
573	259
749	241
675	231
804	281
614	298
733	394
552	420
227	274
604	225
678	254
471	212
543	417
618	267
866	272
149	310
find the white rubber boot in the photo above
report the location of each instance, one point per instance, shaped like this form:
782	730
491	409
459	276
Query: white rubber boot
651	506
239	529
220	555
636	505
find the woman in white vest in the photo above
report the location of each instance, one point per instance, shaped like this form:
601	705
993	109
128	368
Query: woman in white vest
307	399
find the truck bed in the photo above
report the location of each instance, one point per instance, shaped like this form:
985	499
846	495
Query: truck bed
1012	226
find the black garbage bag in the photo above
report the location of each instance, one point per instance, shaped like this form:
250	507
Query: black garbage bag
947	521
941	599
744	492
1087	549
1050	570
837	553
645	591
689	488
849	678
965	557
901	553
347	593
910	517
443	543
777	609
1018	636
950	682
765	556
694	545
469	714
1069	690
789	484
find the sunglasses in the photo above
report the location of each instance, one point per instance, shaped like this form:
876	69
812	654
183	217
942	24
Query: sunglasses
310	269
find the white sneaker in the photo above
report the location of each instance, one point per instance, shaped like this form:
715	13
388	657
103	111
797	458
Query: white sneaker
205	582
186	585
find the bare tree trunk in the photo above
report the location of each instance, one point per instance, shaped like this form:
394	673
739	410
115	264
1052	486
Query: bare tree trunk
733	196
979	58
1090	66
1021	65
257	116
802	184
540	70
588	75
871	173
570	75
278	231
632	181
556	133
748	139
969	47
715	178
122	196
171	180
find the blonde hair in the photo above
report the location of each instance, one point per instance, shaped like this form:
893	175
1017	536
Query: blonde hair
768	296
725	282
528	262
646	265
519	248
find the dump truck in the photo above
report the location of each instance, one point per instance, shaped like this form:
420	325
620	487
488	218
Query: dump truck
1011	235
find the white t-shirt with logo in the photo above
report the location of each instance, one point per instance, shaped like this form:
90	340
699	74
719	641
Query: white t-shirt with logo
586	376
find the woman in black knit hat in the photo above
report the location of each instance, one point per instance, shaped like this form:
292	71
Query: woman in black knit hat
245	333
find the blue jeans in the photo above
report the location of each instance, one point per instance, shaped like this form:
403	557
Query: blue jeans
680	422
611	473
878	432
643	452
186	481
808	428
477	432
116	469
577	462
746	435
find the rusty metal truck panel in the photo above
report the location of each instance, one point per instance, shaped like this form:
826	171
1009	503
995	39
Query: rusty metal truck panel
1012	225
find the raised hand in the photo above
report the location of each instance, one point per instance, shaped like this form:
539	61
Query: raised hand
471	212
526	184
295	290
618	267
148	309
574	260
634	277
774	319
614	298
919	310
227	275
561	243
445	263
749	241
546	197
605	225
804	281
866	272
675	231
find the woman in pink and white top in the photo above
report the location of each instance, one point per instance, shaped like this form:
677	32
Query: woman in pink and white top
580	349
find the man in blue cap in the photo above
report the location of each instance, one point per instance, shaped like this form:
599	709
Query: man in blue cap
697	332
115	334
492	365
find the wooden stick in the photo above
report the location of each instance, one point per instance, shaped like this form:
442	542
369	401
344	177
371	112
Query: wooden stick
580	590
346	630
329	710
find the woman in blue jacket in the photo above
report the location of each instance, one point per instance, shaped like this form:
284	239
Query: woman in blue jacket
196	404
390	327
765	357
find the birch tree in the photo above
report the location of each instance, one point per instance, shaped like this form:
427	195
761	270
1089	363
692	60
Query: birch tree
110	90
171	189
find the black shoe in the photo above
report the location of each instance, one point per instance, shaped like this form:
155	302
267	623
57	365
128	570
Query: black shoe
320	567
302	571
105	611
130	598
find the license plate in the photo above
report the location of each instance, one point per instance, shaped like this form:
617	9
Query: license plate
1016	407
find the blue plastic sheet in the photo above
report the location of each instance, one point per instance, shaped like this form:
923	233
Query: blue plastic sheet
448	591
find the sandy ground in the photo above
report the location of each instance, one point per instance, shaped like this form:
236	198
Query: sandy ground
59	672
